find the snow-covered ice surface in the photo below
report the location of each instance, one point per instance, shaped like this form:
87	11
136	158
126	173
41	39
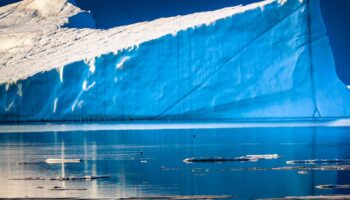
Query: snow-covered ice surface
52	46
266	60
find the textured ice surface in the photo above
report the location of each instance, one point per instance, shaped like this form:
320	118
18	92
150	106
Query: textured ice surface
43	45
266	60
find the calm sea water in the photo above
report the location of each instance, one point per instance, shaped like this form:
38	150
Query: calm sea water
150	162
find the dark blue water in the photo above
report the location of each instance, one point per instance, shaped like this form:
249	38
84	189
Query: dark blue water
146	163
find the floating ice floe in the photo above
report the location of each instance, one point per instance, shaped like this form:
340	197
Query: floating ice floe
62	160
332	187
60	178
315	197
248	158
319	161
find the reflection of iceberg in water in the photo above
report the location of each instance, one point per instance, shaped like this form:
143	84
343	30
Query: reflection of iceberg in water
268	60
117	154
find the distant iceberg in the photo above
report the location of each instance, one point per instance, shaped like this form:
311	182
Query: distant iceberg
270	59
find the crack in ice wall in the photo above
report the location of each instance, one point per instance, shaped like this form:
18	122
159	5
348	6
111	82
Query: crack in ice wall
309	32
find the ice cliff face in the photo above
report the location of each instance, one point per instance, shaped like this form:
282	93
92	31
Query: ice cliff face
265	60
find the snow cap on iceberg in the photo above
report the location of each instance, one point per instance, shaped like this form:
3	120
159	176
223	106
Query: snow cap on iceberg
33	31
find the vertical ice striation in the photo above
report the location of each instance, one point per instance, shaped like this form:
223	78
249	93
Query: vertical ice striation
267	62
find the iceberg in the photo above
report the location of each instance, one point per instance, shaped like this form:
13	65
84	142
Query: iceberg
266	60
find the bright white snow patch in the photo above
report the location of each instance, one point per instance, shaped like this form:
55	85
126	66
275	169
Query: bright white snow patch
46	8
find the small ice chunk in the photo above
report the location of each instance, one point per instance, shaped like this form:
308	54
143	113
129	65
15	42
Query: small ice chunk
62	160
248	158
332	187
302	172
319	161
264	157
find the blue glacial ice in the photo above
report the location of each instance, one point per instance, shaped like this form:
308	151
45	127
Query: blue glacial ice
269	62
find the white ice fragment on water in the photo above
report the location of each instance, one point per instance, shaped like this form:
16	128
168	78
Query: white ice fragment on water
122	61
19	91
87	87
319	161
348	87
264	157
55	105
302	172
61	160
247	158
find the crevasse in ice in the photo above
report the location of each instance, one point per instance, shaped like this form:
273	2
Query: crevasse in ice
267	62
